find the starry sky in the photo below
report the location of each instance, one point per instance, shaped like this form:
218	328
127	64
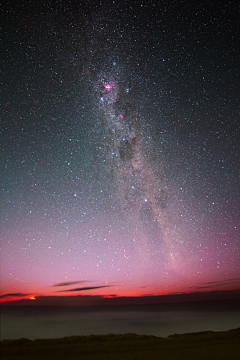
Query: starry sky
120	148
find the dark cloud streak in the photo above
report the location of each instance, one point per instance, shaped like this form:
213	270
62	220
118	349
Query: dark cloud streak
217	283
69	283
12	295
86	288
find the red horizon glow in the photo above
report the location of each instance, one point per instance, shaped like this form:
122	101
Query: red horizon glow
115	292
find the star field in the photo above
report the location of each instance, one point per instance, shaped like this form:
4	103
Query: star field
120	147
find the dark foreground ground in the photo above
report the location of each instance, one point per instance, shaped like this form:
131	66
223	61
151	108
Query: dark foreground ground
202	346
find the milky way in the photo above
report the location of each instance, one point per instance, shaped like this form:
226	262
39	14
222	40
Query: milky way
120	148
140	194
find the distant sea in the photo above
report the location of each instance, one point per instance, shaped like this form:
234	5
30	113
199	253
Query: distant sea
159	320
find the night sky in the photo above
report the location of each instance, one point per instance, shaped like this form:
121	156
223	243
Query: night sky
120	148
